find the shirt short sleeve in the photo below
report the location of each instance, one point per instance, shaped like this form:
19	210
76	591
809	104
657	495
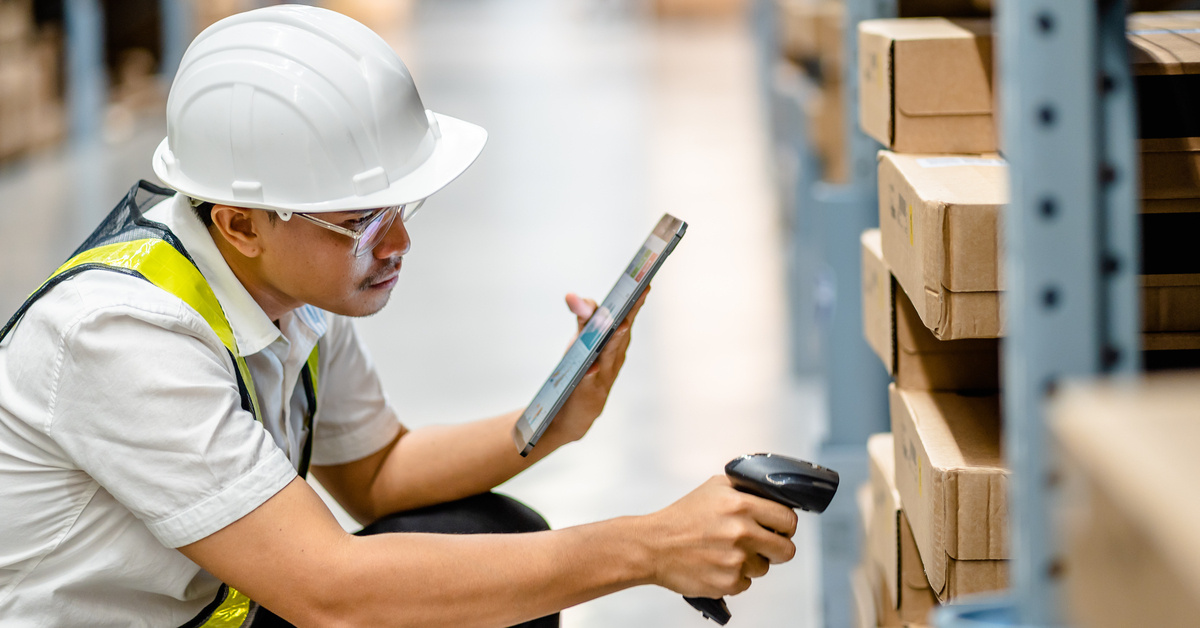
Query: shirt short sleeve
143	399
354	417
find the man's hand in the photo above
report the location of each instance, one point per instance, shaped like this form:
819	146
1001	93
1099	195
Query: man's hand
588	399
715	539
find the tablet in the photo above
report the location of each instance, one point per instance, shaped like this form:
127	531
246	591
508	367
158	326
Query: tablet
596	332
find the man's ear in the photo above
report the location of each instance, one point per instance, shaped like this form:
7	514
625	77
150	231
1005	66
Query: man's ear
239	228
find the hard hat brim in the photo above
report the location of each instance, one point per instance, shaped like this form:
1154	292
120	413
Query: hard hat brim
458	147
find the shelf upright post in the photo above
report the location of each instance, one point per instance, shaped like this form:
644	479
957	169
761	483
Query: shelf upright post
1071	243
176	18
87	88
855	381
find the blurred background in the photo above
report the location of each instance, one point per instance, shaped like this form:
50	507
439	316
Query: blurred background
602	115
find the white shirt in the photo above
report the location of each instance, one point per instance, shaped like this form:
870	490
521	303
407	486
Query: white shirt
122	436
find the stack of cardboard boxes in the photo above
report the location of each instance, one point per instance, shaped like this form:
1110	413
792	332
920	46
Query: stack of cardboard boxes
812	38
933	275
1166	60
31	109
931	312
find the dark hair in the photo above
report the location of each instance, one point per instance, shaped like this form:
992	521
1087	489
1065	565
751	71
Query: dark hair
204	209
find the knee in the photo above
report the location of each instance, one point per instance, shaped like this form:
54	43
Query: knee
516	516
487	513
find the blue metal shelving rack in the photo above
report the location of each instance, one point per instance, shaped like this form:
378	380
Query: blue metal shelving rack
825	221
1071	237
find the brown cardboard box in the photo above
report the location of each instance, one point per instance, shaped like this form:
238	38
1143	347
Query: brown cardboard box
904	590
811	34
939	220
1164	49
909	351
698	8
1132	555
1171	302
827	128
926	363
954	487
926	84
877	300
883	530
1171	167
864	604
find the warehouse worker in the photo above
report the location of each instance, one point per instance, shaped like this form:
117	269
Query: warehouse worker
165	393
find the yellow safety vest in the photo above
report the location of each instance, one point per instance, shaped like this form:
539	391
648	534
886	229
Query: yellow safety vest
126	242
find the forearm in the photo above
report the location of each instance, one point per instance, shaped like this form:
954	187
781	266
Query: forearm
441	463
488	580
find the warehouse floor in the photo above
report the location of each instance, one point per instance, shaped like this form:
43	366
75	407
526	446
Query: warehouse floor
600	119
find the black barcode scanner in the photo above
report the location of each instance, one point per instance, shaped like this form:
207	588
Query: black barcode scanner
795	483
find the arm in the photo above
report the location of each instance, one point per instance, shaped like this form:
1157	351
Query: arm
291	556
437	464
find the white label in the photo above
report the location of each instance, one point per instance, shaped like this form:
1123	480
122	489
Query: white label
947	162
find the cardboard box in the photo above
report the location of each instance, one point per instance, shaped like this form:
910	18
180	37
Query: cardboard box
811	35
1171	351
926	84
877	300
939	220
904	592
1171	303
1131	552
864	605
953	486
909	351
698	8
1165	51
827	128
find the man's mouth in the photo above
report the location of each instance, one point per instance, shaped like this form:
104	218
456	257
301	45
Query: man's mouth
386	278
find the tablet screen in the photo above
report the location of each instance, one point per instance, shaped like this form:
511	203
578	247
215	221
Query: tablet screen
595	334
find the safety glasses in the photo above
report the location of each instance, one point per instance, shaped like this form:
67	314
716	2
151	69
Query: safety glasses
368	230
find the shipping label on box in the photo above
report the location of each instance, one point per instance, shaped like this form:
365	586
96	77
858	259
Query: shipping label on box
926	84
953	486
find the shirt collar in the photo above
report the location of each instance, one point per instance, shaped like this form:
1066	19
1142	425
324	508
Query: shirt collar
253	330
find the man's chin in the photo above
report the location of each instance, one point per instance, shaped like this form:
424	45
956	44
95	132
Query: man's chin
368	305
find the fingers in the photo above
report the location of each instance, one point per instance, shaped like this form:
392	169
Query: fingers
775	517
582	308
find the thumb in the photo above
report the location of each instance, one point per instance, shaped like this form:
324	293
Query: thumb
579	306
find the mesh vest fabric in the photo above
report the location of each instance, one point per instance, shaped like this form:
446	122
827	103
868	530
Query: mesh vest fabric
129	243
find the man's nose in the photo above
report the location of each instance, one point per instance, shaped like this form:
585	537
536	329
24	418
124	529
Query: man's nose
395	242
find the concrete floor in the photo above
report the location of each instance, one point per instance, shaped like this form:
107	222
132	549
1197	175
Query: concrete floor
600	119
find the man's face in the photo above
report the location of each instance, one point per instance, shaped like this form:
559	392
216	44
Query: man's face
314	265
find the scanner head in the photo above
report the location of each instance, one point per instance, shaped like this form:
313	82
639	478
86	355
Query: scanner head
791	482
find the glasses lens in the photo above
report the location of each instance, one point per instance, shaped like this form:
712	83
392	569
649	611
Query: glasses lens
375	230
407	210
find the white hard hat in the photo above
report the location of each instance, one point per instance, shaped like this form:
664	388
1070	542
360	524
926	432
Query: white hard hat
297	108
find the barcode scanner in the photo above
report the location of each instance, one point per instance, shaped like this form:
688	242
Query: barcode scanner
793	483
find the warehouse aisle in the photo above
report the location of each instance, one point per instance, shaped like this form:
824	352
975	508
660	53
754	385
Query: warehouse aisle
600	119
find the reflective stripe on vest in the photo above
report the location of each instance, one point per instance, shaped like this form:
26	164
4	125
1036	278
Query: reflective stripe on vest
166	265
162	265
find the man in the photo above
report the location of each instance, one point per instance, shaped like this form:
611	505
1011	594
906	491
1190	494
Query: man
164	394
